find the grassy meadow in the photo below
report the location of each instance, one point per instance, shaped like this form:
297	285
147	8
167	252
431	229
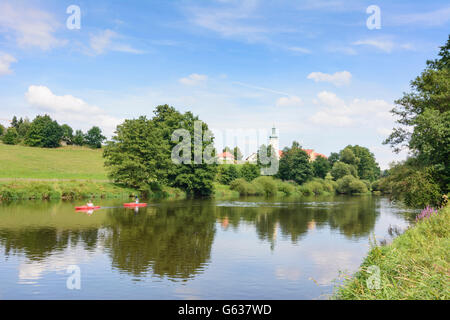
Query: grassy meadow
61	163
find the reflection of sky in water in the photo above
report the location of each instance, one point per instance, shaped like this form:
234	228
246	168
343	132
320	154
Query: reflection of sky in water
254	259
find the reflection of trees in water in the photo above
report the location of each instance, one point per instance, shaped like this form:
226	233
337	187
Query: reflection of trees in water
356	218
39	243
353	217
173	242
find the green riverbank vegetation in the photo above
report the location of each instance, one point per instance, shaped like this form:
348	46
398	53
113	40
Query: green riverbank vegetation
415	266
424	128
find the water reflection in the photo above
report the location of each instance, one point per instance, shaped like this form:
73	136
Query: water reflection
175	240
172	241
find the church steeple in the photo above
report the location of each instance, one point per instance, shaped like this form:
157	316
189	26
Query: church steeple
273	140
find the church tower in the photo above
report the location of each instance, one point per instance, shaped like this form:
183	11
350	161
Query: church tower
273	141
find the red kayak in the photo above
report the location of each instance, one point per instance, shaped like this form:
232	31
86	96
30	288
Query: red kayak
131	205
87	208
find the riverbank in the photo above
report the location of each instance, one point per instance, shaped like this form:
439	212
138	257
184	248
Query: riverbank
23	189
415	266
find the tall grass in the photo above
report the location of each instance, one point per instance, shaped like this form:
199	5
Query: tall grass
414	266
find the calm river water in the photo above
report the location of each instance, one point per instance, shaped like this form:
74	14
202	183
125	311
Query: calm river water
253	248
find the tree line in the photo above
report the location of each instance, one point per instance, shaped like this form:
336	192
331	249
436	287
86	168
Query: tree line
45	132
424	129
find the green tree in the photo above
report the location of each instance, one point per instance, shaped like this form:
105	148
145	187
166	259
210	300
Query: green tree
368	168
67	134
249	171
294	164
227	173
2	129
44	132
133	154
333	158
237	153
78	138
23	127
94	137
347	156
15	123
341	169
321	167
11	136
140	154
227	149
423	118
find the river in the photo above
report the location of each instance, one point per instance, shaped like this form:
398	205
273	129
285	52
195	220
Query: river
253	248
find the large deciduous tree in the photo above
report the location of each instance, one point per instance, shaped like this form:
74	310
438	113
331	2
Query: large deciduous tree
424	119
294	164
44	132
94	137
139	155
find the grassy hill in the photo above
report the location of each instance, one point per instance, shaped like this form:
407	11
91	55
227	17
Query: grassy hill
61	163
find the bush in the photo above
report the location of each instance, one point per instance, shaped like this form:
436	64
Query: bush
414	186
285	187
349	185
249	171
267	184
341	169
227	173
11	136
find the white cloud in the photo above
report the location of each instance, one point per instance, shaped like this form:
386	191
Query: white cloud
342	49
383	44
5	62
227	20
338	78
434	18
330	119
335	111
103	42
29	26
194	79
69	109
299	50
291	101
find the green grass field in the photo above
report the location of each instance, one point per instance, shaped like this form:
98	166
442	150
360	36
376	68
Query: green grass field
60	163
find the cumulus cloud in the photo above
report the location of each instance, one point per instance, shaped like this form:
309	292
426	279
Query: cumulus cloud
338	78
29	26
335	111
5	62
291	101
69	109
104	41
194	79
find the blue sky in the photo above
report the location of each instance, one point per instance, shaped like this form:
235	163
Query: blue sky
312	68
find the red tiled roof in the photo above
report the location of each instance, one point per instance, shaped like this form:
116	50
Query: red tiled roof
225	155
321	155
